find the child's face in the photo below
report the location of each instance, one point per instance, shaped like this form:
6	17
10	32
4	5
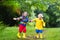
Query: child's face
40	15
25	14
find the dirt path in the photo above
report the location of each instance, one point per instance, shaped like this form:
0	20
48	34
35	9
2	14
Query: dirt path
31	38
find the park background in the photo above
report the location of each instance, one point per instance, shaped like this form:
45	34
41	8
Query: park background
13	8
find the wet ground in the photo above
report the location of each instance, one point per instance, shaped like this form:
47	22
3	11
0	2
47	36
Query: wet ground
31	38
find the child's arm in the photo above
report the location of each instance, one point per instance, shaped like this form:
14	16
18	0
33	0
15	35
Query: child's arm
43	23
32	20
17	18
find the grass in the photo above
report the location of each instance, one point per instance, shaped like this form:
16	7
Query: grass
9	33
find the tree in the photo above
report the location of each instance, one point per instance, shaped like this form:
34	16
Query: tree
49	8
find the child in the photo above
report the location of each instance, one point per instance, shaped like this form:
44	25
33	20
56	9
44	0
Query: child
22	24
39	25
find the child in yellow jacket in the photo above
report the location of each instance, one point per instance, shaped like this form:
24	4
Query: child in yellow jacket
39	25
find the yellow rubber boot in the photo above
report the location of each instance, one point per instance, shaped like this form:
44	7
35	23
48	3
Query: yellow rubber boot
41	36
18	35
37	35
24	35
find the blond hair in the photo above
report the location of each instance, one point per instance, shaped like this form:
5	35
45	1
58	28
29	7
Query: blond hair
40	15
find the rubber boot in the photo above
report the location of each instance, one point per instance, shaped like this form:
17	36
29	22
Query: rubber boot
24	35
18	35
41	36
37	35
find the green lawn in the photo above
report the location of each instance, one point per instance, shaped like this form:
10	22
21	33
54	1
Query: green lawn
9	33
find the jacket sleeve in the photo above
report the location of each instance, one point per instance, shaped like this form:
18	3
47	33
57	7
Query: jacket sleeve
43	23
34	20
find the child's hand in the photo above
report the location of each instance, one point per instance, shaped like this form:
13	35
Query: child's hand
31	20
14	18
17	18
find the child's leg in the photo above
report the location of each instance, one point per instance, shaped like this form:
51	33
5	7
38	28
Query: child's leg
41	33
37	35
18	35
20	30
37	31
24	32
24	35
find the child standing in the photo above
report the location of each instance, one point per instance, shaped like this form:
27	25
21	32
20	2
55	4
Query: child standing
39	25
22	24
